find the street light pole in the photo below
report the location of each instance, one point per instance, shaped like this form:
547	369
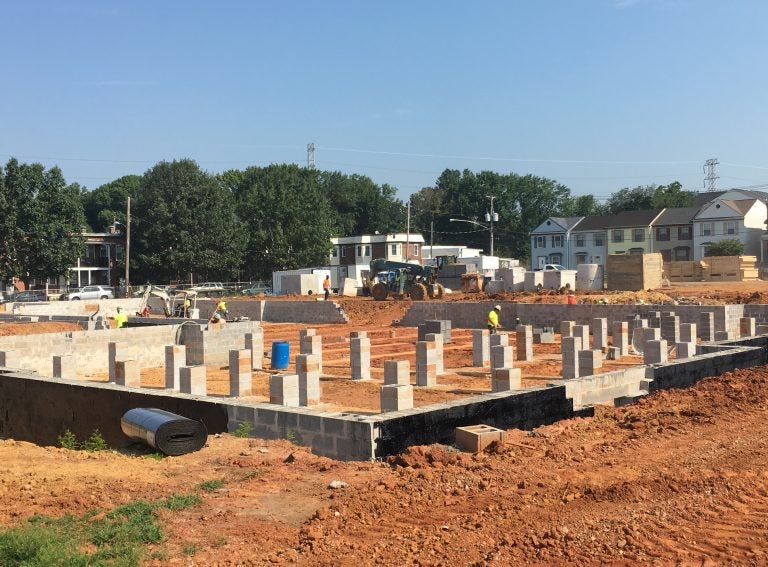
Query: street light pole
491	218
128	248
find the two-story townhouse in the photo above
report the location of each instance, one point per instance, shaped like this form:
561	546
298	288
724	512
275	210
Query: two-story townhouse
354	253
630	232
589	240
101	262
673	234
734	214
551	242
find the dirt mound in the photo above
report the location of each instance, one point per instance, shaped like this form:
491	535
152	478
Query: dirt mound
367	311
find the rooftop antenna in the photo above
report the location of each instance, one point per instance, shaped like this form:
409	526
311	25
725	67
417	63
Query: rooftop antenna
311	155
709	169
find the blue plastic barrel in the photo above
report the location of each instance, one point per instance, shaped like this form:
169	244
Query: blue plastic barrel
281	354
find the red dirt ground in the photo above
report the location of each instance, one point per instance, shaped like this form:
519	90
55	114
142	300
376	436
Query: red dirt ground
680	478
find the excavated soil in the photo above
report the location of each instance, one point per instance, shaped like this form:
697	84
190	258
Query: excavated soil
680	478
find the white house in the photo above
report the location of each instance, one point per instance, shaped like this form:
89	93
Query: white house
354	253
551	242
734	214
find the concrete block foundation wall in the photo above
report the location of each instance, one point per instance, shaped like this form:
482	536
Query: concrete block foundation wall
89	348
87	307
211	347
473	315
279	311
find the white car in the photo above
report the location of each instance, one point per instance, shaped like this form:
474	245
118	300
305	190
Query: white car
91	292
209	286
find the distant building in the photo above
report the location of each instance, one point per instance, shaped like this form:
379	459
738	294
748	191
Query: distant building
353	254
551	242
101	263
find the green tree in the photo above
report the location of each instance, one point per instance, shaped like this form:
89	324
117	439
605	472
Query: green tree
672	195
289	218
582	206
638	199
40	232
106	204
362	206
726	247
185	223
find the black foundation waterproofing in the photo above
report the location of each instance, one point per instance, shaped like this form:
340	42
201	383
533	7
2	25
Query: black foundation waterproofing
167	432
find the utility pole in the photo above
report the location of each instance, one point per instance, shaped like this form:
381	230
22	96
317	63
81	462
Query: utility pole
311	155
431	240
407	232
491	218
128	248
709	169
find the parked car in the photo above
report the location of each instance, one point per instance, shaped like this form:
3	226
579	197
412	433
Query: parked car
209	286
551	268
91	292
28	296
257	288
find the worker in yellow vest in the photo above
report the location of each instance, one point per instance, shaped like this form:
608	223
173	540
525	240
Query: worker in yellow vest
120	318
493	319
221	308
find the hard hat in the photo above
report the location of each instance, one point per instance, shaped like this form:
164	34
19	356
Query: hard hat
497	307
119	308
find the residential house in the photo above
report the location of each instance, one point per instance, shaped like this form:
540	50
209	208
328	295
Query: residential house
354	253
673	234
551	242
589	241
630	232
101	264
734	214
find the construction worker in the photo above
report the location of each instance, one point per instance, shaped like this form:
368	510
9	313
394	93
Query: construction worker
120	318
187	305
327	287
493	319
400	281
221	308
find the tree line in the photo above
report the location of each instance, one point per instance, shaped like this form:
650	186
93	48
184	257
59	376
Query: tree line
248	223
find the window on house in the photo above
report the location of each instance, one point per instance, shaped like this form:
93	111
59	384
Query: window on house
119	252
581	258
540	242
555	258
638	235
557	242
662	234
706	229
599	238
684	233
730	227
368	250
343	251
579	241
705	248
636	250
359	251
393	250
682	253
416	250
617	236
335	252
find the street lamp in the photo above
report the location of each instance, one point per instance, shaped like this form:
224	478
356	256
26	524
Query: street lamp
491	218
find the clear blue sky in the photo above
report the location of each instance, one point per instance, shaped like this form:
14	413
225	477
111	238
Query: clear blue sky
396	90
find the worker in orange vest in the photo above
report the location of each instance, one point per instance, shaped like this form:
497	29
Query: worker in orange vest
327	286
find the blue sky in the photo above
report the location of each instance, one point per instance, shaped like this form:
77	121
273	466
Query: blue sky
597	94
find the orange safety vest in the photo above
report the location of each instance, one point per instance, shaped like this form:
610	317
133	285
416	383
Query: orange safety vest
326	284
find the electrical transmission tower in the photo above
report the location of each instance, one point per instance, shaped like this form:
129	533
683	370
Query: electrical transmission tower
709	169
311	155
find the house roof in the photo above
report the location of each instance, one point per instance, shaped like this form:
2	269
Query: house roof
677	215
705	197
566	223
741	205
619	220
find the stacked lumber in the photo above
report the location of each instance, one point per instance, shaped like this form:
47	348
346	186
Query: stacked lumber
686	271
729	268
632	272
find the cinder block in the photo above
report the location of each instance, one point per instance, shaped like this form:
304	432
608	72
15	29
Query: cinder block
396	397
655	352
426	375
358	335
499	339
397	372
307	367
284	389
10	359
688	332
599	333
582	331
255	343
192	380
481	348
620	339
240	373
476	438
313	344
566	328
685	350
437	339
590	362
747	327
524	342
175	358
127	373
307	333
707	326
64	367
543	337
112	355
501	357
505	379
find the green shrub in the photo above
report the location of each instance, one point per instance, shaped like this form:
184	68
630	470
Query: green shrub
244	429
67	440
727	247
95	442
211	485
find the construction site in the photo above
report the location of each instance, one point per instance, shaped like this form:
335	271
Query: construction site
400	432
